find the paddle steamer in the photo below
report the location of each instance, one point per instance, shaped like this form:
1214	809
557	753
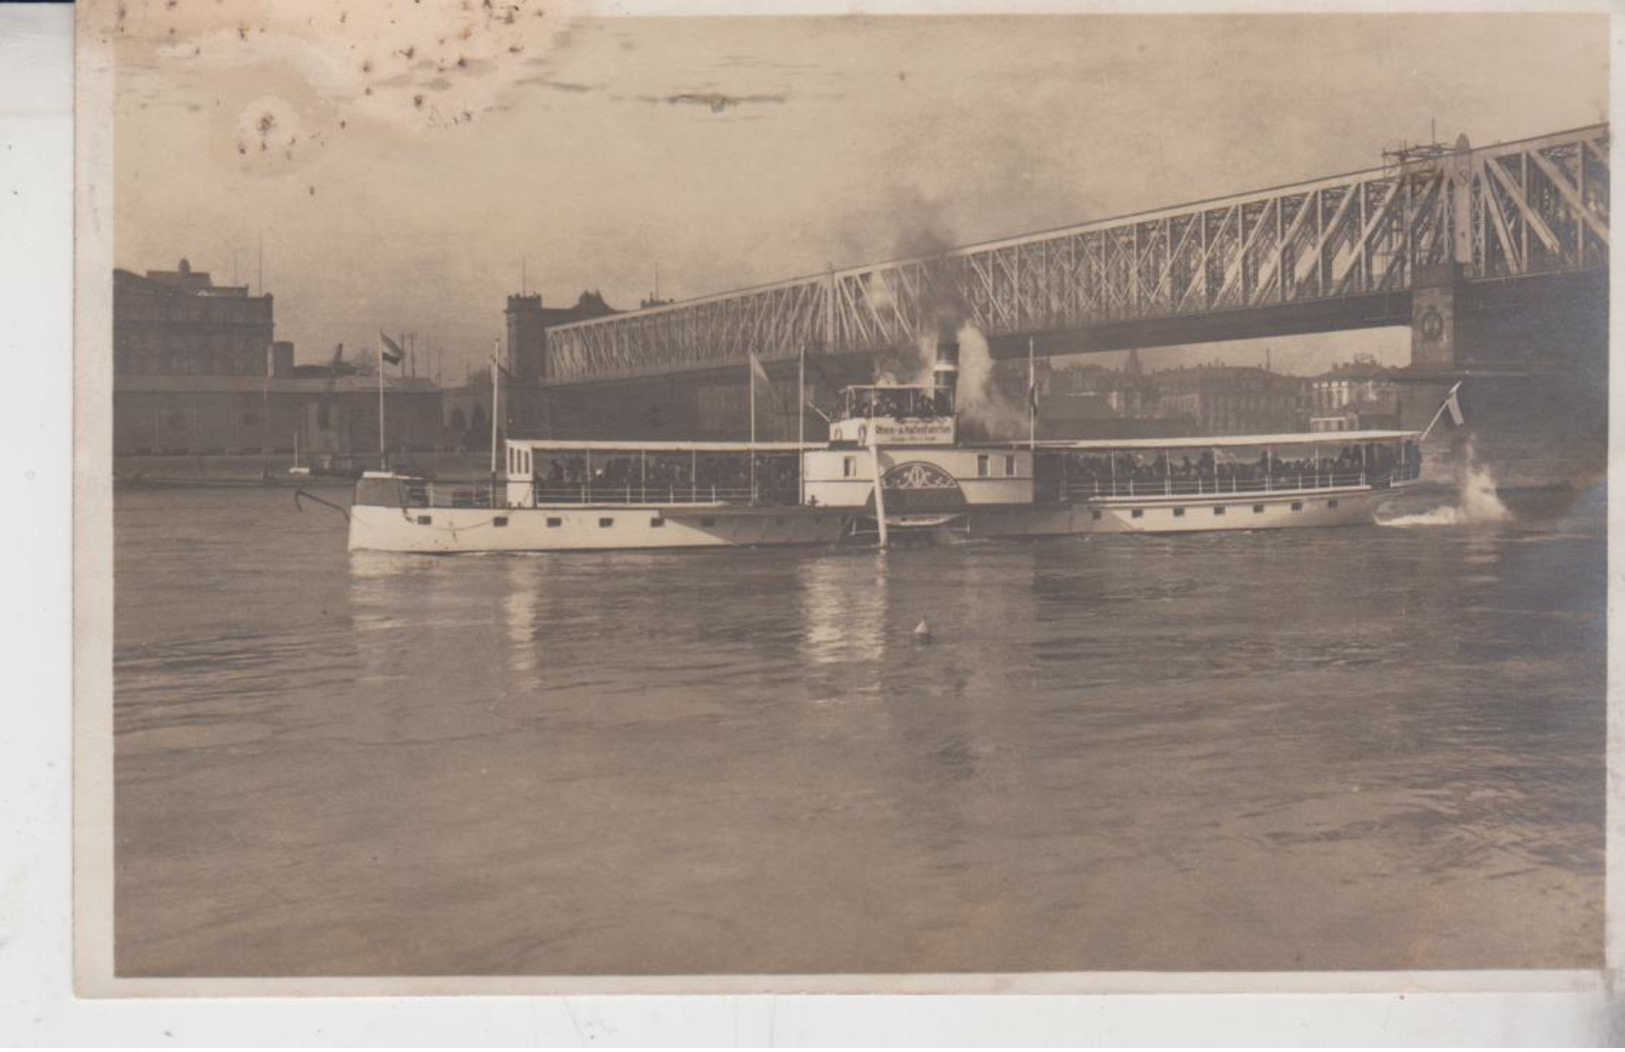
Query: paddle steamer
892	462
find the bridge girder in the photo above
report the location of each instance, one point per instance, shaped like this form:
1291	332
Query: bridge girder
1536	206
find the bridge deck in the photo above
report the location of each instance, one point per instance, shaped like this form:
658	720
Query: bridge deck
1338	252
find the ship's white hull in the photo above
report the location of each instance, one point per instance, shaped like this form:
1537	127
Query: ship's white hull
587	528
619	527
1240	511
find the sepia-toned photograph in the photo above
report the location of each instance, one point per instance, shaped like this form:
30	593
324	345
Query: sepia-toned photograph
625	498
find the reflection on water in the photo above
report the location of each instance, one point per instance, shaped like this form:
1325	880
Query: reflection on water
843	608
525	582
1358	748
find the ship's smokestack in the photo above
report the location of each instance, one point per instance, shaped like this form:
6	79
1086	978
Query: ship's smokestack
945	368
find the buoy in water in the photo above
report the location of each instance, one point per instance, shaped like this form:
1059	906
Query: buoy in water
922	632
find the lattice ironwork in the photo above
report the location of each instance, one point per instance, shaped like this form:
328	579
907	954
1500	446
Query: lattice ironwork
1510	210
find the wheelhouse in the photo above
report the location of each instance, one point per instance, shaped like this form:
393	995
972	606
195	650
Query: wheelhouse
895	414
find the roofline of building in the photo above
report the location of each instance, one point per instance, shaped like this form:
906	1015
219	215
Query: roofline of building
240	384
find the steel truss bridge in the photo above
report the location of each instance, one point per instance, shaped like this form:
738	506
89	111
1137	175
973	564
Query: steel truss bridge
1344	250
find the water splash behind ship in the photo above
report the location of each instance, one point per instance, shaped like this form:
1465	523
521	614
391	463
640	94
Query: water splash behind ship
1476	500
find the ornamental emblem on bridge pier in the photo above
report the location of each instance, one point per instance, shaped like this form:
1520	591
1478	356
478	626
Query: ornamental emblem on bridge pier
1432	325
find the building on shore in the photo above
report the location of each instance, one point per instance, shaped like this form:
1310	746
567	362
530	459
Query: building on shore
1353	396
1232	399
180	323
196	370
1094	401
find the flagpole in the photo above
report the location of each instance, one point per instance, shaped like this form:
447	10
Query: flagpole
496	394
801	425
383	458
1032	398
752	403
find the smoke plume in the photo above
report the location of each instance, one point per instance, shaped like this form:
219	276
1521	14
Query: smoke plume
982	404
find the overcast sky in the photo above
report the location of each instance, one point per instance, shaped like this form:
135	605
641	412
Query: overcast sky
401	159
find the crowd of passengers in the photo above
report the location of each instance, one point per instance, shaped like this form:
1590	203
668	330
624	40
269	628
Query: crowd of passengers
1377	463
724	473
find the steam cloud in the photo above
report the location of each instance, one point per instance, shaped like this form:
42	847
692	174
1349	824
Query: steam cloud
981	403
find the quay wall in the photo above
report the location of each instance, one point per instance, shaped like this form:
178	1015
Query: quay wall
229	469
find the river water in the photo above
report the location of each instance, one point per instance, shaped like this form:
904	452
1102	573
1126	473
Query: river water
1372	747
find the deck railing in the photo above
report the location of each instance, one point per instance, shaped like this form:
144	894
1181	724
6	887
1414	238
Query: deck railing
780	493
455	494
1081	489
476	494
665	493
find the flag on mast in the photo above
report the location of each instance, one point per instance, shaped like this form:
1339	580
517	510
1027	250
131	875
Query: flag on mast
393	354
758	369
1032	379
1452	405
759	372
1032	397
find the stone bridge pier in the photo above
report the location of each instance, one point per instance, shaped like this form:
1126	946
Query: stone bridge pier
1532	356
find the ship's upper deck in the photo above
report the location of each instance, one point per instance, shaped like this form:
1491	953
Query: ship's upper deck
1156	445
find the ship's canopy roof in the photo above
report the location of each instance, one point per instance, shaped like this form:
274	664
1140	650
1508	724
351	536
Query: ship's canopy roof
898	386
566	445
1298	438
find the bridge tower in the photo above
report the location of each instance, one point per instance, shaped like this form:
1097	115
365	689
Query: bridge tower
525	359
1436	288
527	338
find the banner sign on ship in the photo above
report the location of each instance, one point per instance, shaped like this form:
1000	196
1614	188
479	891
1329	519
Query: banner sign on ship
913	432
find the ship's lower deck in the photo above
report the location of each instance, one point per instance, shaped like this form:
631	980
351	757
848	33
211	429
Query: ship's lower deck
589	527
1231	511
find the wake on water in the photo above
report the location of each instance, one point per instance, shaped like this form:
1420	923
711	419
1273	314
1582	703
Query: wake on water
1476	502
